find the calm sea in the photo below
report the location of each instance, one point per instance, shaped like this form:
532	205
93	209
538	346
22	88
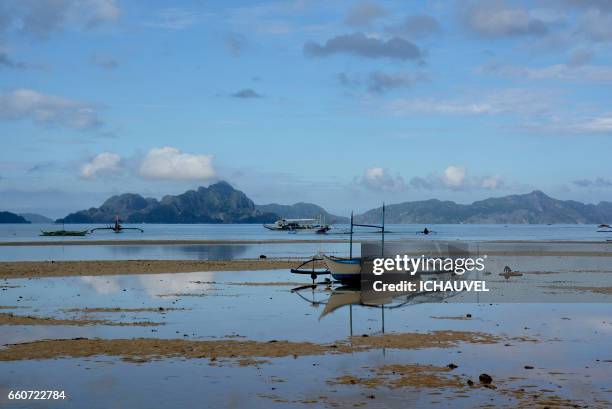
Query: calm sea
254	233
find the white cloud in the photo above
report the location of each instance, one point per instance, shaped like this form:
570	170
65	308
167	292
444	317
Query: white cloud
47	110
491	182
596	125
104	163
171	164
507	101
565	125
454	176
379	179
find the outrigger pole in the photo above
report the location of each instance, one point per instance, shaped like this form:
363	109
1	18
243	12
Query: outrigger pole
382	227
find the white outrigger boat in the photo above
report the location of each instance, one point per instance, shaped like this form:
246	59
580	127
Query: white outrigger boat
348	270
298	224
345	270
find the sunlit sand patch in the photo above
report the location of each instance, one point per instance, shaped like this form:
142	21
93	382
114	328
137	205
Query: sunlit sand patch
151	348
405	376
12	319
435	339
26	269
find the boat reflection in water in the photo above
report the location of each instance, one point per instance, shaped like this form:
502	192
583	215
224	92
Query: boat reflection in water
334	298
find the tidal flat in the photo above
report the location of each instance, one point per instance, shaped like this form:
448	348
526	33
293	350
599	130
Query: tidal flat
214	330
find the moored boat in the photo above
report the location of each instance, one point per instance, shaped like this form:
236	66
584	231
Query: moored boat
343	269
297	224
63	233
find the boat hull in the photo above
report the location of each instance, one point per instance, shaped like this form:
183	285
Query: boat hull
63	233
343	270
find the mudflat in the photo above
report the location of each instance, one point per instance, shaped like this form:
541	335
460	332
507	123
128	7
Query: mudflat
28	269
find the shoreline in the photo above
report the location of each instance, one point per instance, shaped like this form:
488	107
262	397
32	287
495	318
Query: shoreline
31	269
169	242
164	242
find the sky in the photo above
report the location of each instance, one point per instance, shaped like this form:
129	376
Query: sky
343	104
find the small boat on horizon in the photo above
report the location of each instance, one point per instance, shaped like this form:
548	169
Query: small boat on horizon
604	228
63	233
117	227
298	224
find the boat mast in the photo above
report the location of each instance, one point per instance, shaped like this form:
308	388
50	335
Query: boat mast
382	246
351	238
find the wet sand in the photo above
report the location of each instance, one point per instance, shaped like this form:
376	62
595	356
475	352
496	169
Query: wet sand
417	340
29	269
417	376
12	319
369	370
144	349
403	376
162	242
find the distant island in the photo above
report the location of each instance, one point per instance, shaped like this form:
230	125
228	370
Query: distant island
36	218
302	211
218	203
8	217
221	203
531	208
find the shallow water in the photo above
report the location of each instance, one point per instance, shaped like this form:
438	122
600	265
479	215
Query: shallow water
169	252
228	303
222	304
571	355
320	243
30	232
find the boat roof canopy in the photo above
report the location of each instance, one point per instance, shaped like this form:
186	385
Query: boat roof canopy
298	220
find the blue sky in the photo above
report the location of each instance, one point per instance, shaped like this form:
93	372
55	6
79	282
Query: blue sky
343	104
